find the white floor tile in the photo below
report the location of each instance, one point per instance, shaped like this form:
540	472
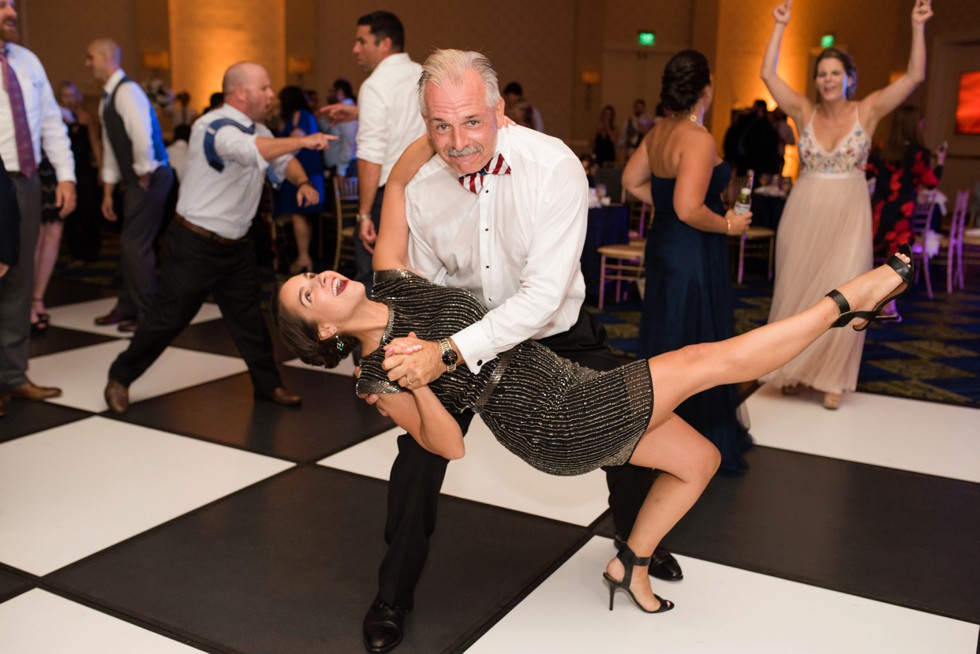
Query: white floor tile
82	315
71	491
719	609
927	437
38	622
492	475
81	373
345	367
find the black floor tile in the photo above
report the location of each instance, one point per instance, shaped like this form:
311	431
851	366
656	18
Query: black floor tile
330	419
894	536
63	291
214	336
12	584
290	565
56	339
25	417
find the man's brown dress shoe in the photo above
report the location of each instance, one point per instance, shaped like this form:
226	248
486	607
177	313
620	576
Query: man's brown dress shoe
31	391
112	318
116	397
281	396
128	326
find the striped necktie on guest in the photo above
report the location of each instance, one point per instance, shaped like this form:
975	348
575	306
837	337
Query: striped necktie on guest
473	182
22	130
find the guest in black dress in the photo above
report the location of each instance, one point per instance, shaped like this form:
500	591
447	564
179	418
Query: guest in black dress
604	140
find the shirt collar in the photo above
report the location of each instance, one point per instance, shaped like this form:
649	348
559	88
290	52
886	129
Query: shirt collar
236	114
392	59
113	81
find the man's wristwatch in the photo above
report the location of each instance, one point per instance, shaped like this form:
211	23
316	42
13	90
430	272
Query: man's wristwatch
449	356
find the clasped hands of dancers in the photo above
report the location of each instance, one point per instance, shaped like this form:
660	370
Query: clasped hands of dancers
318	313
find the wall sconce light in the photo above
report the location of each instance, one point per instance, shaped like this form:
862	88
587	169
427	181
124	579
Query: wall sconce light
299	65
590	78
828	40
156	61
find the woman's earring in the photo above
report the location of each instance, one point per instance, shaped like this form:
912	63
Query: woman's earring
339	344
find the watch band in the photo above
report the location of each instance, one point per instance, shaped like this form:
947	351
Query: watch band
449	356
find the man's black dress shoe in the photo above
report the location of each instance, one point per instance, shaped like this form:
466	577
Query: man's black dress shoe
128	326
281	396
112	318
383	626
116	397
663	565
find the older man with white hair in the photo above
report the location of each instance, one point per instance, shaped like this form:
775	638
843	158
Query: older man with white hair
503	214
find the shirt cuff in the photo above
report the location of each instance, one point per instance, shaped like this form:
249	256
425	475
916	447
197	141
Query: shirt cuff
475	347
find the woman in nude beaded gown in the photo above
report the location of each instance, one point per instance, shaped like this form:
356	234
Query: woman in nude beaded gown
824	234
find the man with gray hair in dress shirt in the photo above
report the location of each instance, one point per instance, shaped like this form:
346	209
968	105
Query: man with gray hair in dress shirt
503	214
207	246
30	120
133	154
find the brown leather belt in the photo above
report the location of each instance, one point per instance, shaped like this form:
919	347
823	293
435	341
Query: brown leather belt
211	236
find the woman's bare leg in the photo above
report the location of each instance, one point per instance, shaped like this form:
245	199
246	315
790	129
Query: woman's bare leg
303	233
680	374
45	256
686	459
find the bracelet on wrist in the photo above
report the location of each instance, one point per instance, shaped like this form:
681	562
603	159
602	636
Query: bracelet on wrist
728	222
361	217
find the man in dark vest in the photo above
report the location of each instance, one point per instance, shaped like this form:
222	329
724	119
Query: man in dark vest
134	155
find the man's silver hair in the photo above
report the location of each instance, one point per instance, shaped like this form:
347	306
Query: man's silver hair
448	68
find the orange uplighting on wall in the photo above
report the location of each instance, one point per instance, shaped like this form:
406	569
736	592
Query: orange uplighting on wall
207	37
156	60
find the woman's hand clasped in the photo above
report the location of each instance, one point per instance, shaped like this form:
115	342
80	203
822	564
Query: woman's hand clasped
412	362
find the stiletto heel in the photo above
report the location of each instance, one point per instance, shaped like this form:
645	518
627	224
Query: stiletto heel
905	272
629	561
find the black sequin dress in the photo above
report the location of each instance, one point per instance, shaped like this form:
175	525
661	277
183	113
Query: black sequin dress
557	416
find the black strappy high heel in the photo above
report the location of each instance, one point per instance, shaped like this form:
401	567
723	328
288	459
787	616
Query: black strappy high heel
629	561
905	272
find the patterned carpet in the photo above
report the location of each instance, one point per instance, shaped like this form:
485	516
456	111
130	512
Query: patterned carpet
932	354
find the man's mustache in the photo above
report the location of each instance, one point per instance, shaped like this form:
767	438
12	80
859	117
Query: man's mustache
465	152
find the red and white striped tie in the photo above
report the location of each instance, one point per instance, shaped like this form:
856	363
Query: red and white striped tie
473	182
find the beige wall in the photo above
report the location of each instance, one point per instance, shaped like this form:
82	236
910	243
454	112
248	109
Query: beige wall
545	44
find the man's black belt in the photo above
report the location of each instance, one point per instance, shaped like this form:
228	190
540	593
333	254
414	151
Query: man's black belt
211	236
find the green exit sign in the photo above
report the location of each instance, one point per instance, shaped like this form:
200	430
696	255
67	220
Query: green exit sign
827	41
647	38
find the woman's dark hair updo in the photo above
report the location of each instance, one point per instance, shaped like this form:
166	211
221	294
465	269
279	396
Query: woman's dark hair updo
303	338
685	76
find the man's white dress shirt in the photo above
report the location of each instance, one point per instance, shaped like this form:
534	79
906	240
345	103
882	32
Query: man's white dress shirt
134	108
225	202
43	117
516	245
388	111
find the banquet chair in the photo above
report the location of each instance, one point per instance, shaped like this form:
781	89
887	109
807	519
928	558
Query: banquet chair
958	244
756	240
921	219
619	263
345	194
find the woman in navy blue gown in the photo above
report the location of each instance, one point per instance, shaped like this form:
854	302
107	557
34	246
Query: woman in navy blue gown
298	120
688	295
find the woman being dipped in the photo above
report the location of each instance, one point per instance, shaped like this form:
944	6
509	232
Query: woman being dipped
688	297
555	415
824	234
